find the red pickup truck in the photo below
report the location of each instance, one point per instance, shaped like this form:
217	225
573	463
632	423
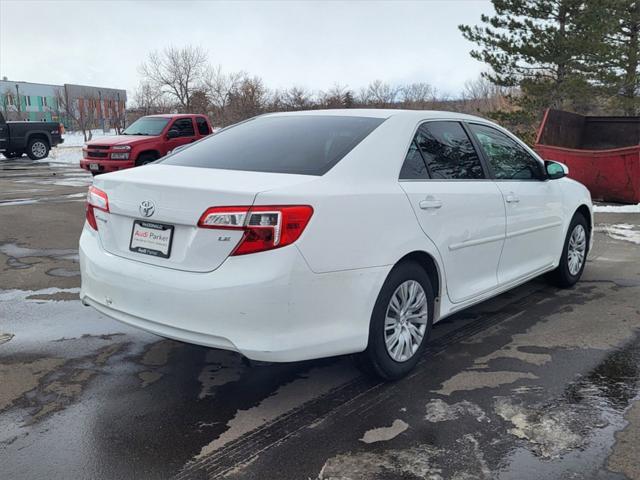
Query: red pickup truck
145	140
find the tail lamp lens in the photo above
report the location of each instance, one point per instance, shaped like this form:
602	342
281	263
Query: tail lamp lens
96	199
265	227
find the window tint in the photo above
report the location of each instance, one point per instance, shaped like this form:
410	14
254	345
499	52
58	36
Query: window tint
507	158
301	144
448	151
184	126
413	167
203	126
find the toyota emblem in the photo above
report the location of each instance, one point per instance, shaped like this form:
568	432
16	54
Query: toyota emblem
147	208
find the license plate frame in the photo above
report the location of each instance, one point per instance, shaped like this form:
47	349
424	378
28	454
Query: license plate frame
147	250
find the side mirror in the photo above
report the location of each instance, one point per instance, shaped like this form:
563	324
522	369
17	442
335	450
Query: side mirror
173	133
555	170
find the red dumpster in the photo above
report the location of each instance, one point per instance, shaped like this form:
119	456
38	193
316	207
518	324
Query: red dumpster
603	153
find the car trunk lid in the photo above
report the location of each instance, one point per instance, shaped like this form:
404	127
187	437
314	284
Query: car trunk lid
167	201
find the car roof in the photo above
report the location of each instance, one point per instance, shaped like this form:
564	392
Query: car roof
174	115
382	113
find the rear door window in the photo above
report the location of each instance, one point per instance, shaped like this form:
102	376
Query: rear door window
203	126
299	144
448	152
184	127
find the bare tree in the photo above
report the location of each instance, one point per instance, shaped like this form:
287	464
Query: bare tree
418	95
379	94
150	100
220	88
480	95
178	72
81	111
297	98
338	96
6	96
247	100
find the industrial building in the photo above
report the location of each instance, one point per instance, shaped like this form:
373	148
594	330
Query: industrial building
73	105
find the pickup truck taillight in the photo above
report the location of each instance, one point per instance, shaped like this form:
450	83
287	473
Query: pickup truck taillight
96	199
265	227
60	128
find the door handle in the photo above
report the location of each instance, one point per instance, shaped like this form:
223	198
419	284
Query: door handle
512	198
430	202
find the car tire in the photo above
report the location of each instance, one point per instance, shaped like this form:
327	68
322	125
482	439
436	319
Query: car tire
574	254
145	158
389	320
13	155
37	148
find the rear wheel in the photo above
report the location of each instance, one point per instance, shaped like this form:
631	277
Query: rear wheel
400	323
38	148
145	158
574	253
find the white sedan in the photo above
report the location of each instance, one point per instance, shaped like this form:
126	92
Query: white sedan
301	235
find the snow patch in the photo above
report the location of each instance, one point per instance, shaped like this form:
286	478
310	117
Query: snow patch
617	208
473	380
22	295
440	411
621	231
415	461
548	432
384	434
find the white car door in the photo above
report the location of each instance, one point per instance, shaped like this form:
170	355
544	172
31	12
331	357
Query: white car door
533	204
458	207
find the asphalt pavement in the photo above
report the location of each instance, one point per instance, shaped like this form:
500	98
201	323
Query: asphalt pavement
536	383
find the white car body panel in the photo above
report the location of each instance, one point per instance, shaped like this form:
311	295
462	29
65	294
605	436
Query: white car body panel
535	218
314	298
469	235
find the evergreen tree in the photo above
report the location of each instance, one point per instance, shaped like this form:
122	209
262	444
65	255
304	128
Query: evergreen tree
618	68
544	48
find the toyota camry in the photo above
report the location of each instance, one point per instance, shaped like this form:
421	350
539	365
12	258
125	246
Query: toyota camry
301	235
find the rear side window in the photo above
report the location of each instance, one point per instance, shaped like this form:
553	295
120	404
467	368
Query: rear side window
413	167
305	144
448	152
184	127
203	126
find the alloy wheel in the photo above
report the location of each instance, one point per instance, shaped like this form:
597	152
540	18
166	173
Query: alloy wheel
577	249
39	149
406	320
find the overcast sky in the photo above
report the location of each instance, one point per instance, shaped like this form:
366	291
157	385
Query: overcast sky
308	44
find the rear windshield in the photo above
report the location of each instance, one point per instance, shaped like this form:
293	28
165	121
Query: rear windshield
306	145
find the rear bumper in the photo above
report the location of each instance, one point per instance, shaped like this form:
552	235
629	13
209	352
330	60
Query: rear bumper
267	306
105	166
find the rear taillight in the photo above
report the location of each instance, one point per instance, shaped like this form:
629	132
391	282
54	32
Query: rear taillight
96	200
60	129
265	227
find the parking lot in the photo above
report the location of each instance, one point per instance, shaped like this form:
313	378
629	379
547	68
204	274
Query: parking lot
536	383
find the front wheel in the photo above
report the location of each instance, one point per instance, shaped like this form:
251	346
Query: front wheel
574	253
400	323
145	158
37	149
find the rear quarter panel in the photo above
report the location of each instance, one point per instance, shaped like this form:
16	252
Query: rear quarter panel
362	217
